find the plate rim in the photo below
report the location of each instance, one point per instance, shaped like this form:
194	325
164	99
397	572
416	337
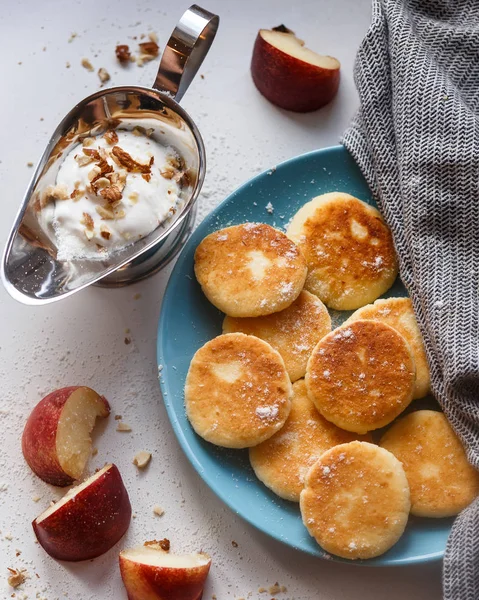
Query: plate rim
178	430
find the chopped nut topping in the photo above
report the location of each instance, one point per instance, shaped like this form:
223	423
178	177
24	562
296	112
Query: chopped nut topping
88	141
168	172
101	183
75	195
129	163
86	64
123	427
149	48
105	213
111	136
153	37
87	221
163	544
111	194
105	233
16	578
122	52
142	459
103	75
89	234
83	160
53	193
158	511
94	173
146	176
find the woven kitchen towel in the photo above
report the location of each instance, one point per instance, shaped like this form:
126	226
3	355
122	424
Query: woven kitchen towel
416	140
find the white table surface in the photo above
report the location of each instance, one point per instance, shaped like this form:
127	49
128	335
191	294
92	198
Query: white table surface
81	339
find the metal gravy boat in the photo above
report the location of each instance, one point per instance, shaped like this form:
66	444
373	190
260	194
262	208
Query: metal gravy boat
30	270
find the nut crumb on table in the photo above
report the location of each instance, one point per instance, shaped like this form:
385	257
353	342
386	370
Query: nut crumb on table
16	577
141	459
158	511
86	64
123	427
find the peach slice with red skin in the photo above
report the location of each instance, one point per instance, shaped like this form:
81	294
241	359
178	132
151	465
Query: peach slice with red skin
150	573
290	75
90	519
56	440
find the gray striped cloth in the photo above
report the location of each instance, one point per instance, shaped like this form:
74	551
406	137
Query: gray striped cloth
416	140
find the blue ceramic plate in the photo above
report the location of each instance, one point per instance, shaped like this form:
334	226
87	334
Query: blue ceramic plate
188	320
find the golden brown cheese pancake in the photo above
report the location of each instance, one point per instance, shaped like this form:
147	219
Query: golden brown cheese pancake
441	479
237	391
348	249
399	314
282	461
250	270
356	500
293	332
361	376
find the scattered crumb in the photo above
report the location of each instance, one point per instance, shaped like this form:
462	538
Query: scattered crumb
123	427
86	64
136	296
234	544
9	537
67	65
29	164
123	54
164	544
36	498
153	37
127	341
103	75
269	208
202	76
142	459
262	590
94	452
118	417
16	577
72	37
158	511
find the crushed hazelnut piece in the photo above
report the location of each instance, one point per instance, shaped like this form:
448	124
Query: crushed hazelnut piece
149	48
122	52
67	65
36	498
234	544
101	183
103	75
75	195
94	173
86	64
111	136
87	221
88	234
16	578
129	163
163	544
111	194
275	589
168	172
94	452
158	511
262	590
105	213
72	37
88	141
142	459
83	160
127	341
123	427
118	417
53	193
29	164
153	37
105	234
